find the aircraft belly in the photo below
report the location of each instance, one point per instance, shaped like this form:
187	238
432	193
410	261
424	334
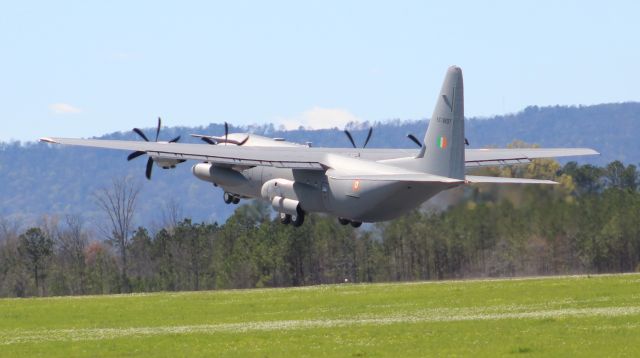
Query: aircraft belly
372	201
358	200
404	200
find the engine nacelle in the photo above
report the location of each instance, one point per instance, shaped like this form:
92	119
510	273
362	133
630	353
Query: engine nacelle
218	175
167	163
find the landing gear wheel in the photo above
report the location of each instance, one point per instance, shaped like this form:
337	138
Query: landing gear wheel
298	220
344	221
228	198
236	200
285	218
356	224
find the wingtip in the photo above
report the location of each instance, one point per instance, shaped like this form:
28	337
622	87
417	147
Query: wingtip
48	140
590	151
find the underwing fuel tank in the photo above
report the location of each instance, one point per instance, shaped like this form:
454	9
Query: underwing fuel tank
219	175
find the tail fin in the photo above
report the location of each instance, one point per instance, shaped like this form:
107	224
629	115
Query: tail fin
443	150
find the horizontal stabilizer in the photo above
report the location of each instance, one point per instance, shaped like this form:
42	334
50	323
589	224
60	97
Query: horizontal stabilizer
500	180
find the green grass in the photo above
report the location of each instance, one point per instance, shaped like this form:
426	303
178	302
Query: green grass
564	316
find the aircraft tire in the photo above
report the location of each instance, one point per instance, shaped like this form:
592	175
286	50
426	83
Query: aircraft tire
356	224
236	200
298	220
285	219
344	221
227	198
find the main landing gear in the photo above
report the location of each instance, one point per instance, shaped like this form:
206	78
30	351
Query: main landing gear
344	221
295	220
230	198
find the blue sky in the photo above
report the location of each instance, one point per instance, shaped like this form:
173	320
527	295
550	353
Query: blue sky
85	68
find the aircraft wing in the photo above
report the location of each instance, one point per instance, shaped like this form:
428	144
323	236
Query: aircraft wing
308	158
473	157
404	177
232	155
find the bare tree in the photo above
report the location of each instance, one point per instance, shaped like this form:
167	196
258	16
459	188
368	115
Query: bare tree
14	276
71	243
8	229
171	214
118	202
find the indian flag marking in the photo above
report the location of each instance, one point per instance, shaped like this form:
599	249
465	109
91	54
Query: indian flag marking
442	142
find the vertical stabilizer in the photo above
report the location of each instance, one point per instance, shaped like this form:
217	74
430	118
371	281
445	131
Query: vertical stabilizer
443	150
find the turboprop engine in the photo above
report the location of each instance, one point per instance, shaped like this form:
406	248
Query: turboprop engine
219	175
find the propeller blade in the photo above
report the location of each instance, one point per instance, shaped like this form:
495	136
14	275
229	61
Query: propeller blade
414	139
141	134
466	141
368	137
158	130
244	141
205	139
135	154
174	140
226	132
350	138
147	172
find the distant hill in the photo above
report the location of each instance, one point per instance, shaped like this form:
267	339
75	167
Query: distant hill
38	179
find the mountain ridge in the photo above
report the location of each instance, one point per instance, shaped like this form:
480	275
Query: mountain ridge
40	179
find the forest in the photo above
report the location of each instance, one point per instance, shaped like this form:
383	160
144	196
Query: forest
586	224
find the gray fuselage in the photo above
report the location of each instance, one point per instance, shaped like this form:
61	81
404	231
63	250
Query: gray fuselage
316	191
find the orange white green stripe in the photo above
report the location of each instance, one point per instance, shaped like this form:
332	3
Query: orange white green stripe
442	142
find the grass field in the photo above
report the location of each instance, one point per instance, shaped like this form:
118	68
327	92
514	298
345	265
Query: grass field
594	316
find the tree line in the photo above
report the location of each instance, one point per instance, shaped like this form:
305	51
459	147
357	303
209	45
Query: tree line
587	224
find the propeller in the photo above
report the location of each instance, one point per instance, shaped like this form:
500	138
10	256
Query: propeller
414	139
138	153
353	143
226	133
217	140
208	140
350	138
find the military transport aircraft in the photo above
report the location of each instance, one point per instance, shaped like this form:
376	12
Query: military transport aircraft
354	184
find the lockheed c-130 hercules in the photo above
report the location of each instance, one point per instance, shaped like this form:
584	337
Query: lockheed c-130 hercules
354	184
